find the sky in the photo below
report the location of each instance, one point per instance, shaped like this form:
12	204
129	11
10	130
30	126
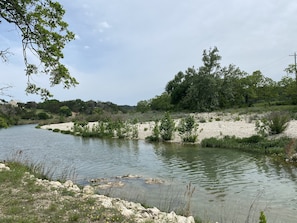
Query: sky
126	51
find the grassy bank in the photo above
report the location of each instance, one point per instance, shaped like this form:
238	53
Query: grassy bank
254	144
24	201
27	199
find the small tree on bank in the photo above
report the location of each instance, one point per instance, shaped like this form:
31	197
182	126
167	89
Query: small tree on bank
167	127
187	129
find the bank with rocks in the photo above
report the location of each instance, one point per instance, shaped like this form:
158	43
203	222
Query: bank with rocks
55	191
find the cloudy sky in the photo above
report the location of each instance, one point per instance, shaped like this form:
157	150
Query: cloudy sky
127	50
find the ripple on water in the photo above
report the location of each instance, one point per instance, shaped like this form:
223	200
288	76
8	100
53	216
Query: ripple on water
224	179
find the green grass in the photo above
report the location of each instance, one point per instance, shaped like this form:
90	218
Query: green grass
22	201
255	144
262	108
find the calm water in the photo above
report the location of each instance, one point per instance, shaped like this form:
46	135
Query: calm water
226	182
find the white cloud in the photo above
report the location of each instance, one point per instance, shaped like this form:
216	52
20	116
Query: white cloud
105	25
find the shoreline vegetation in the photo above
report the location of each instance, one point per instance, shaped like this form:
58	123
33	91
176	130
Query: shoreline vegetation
271	133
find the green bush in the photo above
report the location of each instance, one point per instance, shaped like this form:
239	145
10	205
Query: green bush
65	111
3	123
278	122
43	116
274	123
187	129
167	127
262	218
155	137
255	144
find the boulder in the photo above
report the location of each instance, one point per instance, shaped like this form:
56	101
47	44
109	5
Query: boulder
3	167
89	190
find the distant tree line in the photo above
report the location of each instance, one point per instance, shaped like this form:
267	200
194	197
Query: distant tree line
11	115
212	87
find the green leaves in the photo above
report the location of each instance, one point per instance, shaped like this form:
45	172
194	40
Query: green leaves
273	123
187	129
167	127
45	34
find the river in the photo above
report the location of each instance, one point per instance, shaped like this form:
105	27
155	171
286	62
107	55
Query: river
229	186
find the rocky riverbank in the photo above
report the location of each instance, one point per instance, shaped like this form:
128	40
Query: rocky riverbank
68	191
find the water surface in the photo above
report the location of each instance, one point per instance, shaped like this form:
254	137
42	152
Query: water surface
227	182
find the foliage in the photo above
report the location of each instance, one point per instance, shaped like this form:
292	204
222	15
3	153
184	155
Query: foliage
273	123
43	116
207	88
106	129
167	127
161	103
3	122
44	33
155	137
262	218
84	107
255	144
213	86
143	106
187	129
65	111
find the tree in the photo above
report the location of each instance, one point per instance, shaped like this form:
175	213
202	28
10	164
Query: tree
65	111
161	103
167	127
251	84
143	106
210	60
288	90
231	89
43	33
187	129
203	92
52	106
177	88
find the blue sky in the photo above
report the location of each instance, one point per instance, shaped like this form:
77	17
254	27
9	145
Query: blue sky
127	50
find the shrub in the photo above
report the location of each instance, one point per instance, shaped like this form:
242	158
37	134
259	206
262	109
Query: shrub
256	144
187	129
43	116
3	123
155	137
65	111
273	123
167	127
262	218
278	122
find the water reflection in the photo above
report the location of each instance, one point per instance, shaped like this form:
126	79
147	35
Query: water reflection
212	169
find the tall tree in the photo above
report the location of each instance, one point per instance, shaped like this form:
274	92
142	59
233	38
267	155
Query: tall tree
44	33
231	88
209	87
203	92
287	90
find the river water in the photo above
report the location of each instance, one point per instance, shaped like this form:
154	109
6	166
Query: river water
229	186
